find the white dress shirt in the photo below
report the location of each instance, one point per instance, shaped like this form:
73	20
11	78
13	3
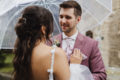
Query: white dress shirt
70	42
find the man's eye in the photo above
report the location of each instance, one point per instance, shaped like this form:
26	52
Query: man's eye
68	17
61	16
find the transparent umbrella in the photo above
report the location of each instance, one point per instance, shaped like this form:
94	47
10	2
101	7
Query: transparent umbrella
10	11
94	13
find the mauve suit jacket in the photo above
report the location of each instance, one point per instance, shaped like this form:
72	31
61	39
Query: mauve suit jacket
89	47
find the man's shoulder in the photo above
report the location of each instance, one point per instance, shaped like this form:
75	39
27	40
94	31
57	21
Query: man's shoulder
87	39
57	36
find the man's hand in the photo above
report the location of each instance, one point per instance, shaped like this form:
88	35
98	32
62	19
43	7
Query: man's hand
76	57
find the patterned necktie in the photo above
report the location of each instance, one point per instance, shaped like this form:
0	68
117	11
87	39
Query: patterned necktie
69	48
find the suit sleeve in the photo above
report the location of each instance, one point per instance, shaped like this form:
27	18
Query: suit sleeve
96	63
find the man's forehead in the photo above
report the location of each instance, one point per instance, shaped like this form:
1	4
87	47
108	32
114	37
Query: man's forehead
67	11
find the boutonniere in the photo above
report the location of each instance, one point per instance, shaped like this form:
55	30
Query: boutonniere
56	42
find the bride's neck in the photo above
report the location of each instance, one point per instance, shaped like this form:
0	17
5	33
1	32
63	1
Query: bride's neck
43	41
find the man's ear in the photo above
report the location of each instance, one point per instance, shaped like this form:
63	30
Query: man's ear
43	28
78	18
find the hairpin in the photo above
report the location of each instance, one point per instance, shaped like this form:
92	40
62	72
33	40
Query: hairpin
24	20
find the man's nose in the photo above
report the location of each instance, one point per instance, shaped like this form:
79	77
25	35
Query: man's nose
63	20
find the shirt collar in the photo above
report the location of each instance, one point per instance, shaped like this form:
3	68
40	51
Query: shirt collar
74	36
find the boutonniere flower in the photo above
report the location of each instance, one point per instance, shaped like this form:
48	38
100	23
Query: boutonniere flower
56	42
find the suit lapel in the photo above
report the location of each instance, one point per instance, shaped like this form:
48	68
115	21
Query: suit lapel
79	43
59	38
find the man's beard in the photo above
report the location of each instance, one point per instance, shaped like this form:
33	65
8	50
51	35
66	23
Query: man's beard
69	30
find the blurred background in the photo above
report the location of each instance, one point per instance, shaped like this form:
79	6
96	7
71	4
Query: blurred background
107	33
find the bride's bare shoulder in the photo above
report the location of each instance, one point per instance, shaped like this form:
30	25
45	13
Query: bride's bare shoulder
41	52
60	52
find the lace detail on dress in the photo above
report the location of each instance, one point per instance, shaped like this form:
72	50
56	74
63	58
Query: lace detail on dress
80	72
52	64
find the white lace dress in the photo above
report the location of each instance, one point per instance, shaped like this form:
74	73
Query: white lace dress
78	72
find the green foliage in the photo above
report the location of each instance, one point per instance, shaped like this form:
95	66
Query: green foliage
2	59
6	58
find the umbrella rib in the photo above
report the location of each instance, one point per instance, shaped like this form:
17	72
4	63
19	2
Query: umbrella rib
91	15
6	28
55	21
104	5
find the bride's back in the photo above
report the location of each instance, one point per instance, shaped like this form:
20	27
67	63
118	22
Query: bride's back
41	62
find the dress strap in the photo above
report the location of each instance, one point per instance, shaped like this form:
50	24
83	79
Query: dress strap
52	64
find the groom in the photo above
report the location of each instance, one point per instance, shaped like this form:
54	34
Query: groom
70	38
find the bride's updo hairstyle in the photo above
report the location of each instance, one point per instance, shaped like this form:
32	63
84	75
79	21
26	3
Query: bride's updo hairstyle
28	31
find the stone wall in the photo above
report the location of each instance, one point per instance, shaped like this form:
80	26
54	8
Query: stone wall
109	31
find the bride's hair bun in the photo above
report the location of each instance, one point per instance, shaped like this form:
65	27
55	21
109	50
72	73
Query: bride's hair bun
22	30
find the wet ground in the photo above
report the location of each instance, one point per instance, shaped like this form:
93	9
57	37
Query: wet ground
112	74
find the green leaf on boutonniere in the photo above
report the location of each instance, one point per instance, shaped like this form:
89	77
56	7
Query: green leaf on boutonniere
56	42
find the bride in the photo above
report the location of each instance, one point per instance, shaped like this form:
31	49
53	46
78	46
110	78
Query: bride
34	59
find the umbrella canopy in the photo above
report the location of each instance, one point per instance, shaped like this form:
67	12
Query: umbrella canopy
94	13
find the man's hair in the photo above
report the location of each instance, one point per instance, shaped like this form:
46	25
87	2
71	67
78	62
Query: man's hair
72	4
